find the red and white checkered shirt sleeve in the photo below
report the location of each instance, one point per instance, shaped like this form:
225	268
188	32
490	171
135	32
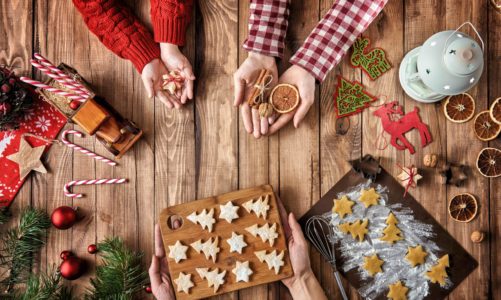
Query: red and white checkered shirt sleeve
330	40
267	27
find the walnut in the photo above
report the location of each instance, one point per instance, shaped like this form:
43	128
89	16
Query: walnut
477	236
430	160
265	110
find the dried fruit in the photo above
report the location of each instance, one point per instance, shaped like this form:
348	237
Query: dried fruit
430	160
489	162
459	108
265	110
485	127
284	98
463	207
495	110
477	236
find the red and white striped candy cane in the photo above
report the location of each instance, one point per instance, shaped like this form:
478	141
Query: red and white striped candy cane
67	186
83	150
52	89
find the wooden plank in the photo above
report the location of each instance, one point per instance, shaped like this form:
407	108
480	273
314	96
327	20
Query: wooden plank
190	232
216	119
463	147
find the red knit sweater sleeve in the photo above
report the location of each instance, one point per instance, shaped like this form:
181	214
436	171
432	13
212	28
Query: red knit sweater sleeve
119	30
170	19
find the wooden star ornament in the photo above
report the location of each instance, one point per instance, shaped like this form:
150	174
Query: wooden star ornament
28	158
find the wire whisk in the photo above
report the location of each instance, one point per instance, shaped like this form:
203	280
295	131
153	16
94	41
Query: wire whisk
318	231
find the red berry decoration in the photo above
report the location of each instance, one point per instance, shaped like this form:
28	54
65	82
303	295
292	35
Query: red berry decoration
147	289
74	104
72	268
5	88
64	217
12	81
92	249
65	254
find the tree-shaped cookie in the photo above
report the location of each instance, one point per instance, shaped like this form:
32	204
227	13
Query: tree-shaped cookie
342	206
357	229
265	232
209	248
260	207
398	291
437	273
391	233
214	278
372	264
273	260
416	255
369	197
206	220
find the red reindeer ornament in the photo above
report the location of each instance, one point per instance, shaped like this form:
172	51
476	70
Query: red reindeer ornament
397	126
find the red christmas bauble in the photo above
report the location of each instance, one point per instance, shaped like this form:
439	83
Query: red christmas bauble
72	268
63	217
147	289
5	108
5	88
74	104
92	249
65	254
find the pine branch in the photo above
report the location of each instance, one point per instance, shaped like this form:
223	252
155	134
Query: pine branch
45	287
19	244
120	276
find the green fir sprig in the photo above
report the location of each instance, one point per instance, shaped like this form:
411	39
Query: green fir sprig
45	287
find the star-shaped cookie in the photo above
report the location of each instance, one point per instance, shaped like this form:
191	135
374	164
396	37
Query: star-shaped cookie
178	251
184	283
260	207
206	220
398	291
28	158
209	248
236	242
416	255
228	212
369	197
242	271
372	264
273	260
342	206
214	278
265	232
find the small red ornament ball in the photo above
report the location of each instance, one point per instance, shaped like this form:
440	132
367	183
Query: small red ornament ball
72	268
65	254
5	88
147	289
74	104
63	217
92	249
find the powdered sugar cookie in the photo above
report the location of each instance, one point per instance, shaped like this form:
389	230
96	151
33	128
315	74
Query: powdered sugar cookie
265	232
209	248
228	212
260	207
242	271
206	220
273	260
214	278
236	242
184	283
178	251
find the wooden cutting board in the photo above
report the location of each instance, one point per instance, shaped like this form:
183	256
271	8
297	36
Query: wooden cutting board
190	232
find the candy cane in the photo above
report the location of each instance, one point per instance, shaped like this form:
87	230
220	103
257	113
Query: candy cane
83	150
52	89
67	186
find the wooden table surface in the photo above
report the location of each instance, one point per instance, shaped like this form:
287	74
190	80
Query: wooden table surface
203	149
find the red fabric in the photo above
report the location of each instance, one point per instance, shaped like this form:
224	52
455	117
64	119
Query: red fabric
119	30
170	19
45	121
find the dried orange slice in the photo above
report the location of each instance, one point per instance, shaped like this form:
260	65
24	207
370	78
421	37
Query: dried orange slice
463	207
284	98
489	162
485	127
459	108
495	111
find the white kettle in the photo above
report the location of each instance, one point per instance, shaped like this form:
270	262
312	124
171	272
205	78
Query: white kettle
448	63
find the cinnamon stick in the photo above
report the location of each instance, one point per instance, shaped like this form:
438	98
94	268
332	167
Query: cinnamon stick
256	91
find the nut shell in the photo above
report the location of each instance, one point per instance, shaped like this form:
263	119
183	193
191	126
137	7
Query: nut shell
477	236
430	160
265	110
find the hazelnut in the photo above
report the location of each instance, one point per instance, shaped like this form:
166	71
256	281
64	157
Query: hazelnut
477	236
265	110
430	160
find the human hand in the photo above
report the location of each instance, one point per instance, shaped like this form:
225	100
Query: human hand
305	83
161	286
244	79
152	80
174	59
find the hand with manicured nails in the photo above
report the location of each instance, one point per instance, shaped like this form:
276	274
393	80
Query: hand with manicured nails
244	80
152	80
305	83
161	285
175	60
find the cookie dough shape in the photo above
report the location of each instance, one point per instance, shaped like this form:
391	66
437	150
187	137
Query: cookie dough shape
209	248
184	283
178	252
206	220
437	273
372	264
416	255
398	291
342	206
228	212
214	278
236	242
260	207
265	232
357	229
391	233
369	197
242	271
273	260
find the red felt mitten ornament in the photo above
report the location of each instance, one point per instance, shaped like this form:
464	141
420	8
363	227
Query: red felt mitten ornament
72	268
64	217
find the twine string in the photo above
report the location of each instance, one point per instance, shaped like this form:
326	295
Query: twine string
262	89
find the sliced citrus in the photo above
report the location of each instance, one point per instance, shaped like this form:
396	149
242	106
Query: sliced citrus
489	162
485	127
463	207
284	98
495	111
459	108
